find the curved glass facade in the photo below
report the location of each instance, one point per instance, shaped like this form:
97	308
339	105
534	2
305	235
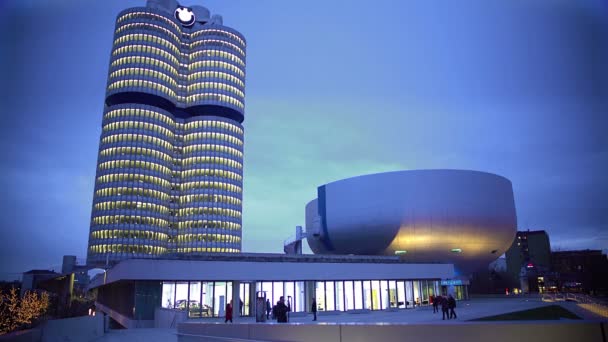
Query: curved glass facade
170	165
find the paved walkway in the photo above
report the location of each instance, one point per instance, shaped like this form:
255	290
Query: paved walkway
140	335
466	310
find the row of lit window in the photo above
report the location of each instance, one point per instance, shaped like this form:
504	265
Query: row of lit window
213	148
144	72
129	234
169	80
213	135
208	224
138	125
212	124
207	250
214	74
129	191
216	86
145	49
217	53
136	137
211	172
133	249
210	185
118	151
215	97
208	211
209	198
217	42
144	60
220	33
192	125
147	26
166	90
131	206
216	64
139	164
148	15
133	177
142	84
160	18
138	112
124	219
214	160
141	37
207	238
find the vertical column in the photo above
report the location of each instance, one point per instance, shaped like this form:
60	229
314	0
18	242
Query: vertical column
236	300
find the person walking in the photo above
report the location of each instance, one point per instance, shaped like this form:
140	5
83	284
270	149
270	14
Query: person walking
228	313
452	306
268	308
444	307
436	301
314	309
281	310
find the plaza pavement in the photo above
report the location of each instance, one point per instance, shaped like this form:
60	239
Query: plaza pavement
466	310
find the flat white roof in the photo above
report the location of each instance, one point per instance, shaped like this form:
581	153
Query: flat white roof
268	268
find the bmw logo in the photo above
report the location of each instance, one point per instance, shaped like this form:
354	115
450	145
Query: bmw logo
185	16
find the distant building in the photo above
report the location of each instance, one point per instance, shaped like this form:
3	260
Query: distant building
81	275
498	265
31	279
530	253
583	270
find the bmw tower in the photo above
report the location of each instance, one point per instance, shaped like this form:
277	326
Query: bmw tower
169	175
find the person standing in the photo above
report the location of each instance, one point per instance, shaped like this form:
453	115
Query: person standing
314	309
228	313
268	308
444	307
452	306
281	310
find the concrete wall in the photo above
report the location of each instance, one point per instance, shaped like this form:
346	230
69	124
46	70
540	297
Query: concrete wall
168	318
32	335
85	328
123	320
562	331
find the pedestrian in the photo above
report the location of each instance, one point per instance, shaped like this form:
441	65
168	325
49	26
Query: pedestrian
281	310
452	306
268	308
228	313
444	307
314	309
436	301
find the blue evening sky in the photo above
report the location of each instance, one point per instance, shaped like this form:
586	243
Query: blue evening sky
334	89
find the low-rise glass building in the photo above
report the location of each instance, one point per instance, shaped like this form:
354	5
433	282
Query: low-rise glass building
133	289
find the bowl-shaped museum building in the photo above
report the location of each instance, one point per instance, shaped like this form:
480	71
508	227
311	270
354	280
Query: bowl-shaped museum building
462	217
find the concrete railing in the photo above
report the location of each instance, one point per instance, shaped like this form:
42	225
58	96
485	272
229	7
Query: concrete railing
85	328
32	335
169	318
470	331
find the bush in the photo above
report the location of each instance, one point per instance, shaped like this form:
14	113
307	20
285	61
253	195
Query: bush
18	312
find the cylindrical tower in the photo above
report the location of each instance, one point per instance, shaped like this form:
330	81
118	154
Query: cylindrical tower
170	165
